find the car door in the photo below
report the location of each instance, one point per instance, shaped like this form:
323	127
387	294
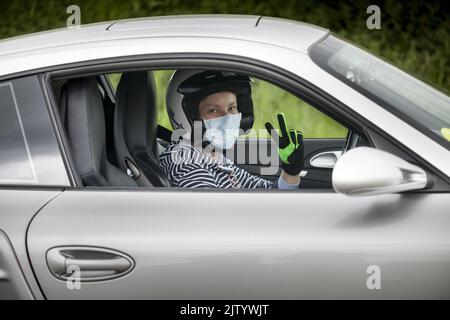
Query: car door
241	245
137	243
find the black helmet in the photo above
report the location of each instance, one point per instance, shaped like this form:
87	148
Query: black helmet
204	83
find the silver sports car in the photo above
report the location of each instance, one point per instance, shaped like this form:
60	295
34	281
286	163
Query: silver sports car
87	213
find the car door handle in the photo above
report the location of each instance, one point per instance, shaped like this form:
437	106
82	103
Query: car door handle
325	159
90	263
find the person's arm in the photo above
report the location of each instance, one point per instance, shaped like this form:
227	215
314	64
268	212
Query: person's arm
192	176
249	181
181	164
253	182
290	184
290	179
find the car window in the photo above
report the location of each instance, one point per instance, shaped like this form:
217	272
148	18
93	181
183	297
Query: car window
416	102
17	165
254	150
29	154
253	156
268	101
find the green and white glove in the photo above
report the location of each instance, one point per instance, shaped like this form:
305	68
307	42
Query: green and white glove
290	146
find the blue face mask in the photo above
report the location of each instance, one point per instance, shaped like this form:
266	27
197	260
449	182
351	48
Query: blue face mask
222	132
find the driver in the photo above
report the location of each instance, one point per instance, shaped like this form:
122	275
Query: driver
207	110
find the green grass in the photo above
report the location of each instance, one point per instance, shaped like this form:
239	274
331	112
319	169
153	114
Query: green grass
268	100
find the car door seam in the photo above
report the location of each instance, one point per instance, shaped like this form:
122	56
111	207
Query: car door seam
26	241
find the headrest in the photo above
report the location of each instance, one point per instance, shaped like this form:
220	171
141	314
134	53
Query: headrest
136	112
85	125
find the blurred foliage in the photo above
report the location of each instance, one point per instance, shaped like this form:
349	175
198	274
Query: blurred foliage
414	36
268	101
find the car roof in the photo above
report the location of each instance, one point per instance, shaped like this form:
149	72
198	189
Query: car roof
275	31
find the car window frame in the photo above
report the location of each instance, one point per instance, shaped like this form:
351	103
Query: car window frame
276	75
46	145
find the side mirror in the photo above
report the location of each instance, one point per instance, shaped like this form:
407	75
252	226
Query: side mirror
367	171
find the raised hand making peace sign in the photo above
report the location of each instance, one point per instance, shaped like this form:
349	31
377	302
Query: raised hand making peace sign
290	146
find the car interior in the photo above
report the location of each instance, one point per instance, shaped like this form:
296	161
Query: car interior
82	114
115	140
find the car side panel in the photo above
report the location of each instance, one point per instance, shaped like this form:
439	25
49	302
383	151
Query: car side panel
251	245
17	208
12	282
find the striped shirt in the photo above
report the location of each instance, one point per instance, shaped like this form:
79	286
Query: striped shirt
188	167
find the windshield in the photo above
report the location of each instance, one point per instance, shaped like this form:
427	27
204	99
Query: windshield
421	105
